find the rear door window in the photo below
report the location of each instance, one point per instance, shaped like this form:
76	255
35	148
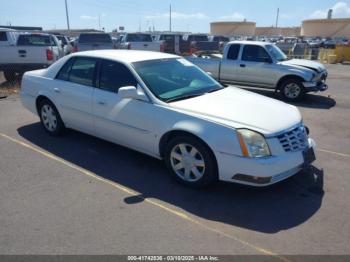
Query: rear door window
83	71
233	52
114	75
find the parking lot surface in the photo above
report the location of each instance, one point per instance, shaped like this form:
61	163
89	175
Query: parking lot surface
81	195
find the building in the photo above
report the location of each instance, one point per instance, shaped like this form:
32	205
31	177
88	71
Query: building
233	28
22	28
337	27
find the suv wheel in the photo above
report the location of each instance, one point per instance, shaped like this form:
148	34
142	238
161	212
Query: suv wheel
292	90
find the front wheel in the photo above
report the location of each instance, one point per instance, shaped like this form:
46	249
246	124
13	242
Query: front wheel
292	90
50	118
190	161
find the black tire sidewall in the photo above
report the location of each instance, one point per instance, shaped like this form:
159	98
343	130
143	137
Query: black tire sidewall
290	81
211	171
60	126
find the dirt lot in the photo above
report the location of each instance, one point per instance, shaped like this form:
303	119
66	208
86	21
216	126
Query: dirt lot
81	195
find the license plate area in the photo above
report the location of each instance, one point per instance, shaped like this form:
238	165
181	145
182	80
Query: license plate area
309	156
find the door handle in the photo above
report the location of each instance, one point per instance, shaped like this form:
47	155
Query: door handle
57	90
242	65
102	103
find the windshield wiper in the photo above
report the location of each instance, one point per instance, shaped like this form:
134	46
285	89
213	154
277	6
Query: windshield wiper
216	89
183	97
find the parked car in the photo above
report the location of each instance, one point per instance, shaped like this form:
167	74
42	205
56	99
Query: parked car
93	41
200	43
173	43
66	45
166	107
32	51
262	64
329	44
140	41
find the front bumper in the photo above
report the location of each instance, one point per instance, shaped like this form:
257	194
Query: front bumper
316	86
261	172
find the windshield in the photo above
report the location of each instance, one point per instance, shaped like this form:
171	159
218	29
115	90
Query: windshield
276	53
175	79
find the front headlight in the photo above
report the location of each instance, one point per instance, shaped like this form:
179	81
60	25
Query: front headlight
252	143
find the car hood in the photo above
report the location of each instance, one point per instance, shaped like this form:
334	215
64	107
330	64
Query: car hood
305	63
239	108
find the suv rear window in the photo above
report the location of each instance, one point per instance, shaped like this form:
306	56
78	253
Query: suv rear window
198	38
35	40
3	36
138	38
95	38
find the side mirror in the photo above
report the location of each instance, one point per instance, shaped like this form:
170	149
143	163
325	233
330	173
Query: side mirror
131	92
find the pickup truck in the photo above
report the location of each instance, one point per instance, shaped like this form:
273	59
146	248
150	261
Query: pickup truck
173	43
199	43
140	41
93	41
261	64
31	51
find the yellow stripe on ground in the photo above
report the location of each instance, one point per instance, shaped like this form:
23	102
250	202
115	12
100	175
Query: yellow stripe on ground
134	193
332	152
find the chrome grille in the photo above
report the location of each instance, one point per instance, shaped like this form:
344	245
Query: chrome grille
294	140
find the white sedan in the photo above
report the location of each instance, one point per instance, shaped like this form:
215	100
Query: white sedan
164	106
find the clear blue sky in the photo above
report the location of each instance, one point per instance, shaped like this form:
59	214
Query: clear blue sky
193	15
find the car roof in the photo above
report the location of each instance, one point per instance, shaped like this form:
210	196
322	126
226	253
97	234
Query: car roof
126	56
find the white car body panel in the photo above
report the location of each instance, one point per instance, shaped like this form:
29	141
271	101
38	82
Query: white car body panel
140	125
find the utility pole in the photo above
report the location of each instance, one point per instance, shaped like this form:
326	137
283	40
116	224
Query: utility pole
170	19
67	15
278	13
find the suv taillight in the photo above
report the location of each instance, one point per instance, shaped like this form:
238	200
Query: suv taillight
49	54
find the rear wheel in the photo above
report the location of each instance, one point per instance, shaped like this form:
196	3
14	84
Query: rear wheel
292	90
10	75
190	161
50	118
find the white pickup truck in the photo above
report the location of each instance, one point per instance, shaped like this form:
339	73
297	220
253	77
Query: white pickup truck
29	51
140	41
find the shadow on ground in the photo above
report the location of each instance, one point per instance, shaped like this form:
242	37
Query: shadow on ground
268	210
309	101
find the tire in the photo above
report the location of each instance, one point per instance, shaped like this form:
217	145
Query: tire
10	76
292	90
198	169
50	118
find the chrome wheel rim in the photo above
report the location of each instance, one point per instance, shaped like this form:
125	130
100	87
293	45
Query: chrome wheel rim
187	162
292	90
49	118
